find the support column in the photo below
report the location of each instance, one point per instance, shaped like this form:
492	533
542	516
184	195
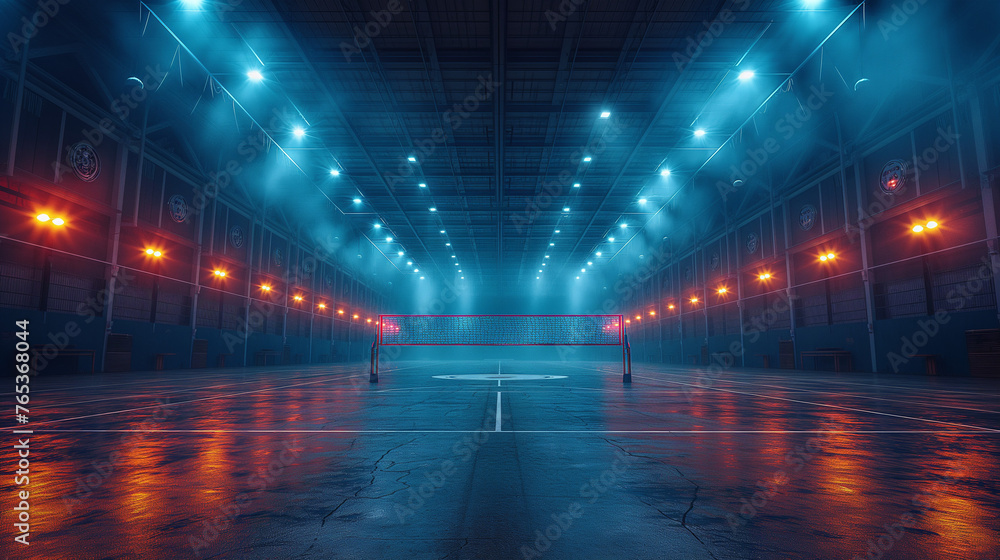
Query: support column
18	106
987	178
116	232
865	258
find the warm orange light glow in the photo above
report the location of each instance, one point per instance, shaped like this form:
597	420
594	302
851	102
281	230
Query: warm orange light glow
149	251
42	217
722	290
369	320
822	258
637	317
266	288
58	222
220	273
297	298
671	306
932	224
629	321
355	316
918	228
340	311
322	306
694	299
765	276
157	254
831	256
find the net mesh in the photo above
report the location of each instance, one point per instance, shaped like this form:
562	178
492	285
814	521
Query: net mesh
501	330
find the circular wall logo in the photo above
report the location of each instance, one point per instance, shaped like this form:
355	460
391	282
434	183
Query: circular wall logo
807	217
85	162
237	236
893	176
178	208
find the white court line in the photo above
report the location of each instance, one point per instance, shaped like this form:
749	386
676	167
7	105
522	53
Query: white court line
681	371
829	405
498	412
190	401
794	390
692	432
498	374
163	377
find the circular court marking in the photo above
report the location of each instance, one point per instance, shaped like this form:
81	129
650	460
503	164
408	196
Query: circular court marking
494	377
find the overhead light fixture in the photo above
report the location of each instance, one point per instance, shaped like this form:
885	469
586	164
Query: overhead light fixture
409	263
652	313
699	132
447	244
388	240
253	75
421	277
671	306
357	201
588	159
665	173
565	208
378	226
694	299
590	263
422	185
558	231
722	291
546	256
411	159
299	132
335	172
321	306
624	226
583	270
442	231
611	239
576	185
220	273
747	74
605	114
552	244
545	264
932	225
297	298
265	288
642	201
433	209
416	270
43	217
598	253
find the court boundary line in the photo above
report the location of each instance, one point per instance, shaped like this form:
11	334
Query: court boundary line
831	406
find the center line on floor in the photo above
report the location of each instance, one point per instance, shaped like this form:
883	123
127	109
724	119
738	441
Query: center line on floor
498	412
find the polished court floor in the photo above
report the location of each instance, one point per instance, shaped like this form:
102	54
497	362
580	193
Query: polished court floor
511	459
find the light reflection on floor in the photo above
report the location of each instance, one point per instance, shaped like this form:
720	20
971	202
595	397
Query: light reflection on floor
315	462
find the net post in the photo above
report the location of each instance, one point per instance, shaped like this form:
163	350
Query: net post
626	361
373	367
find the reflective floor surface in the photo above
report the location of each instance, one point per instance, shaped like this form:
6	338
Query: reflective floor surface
453	460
